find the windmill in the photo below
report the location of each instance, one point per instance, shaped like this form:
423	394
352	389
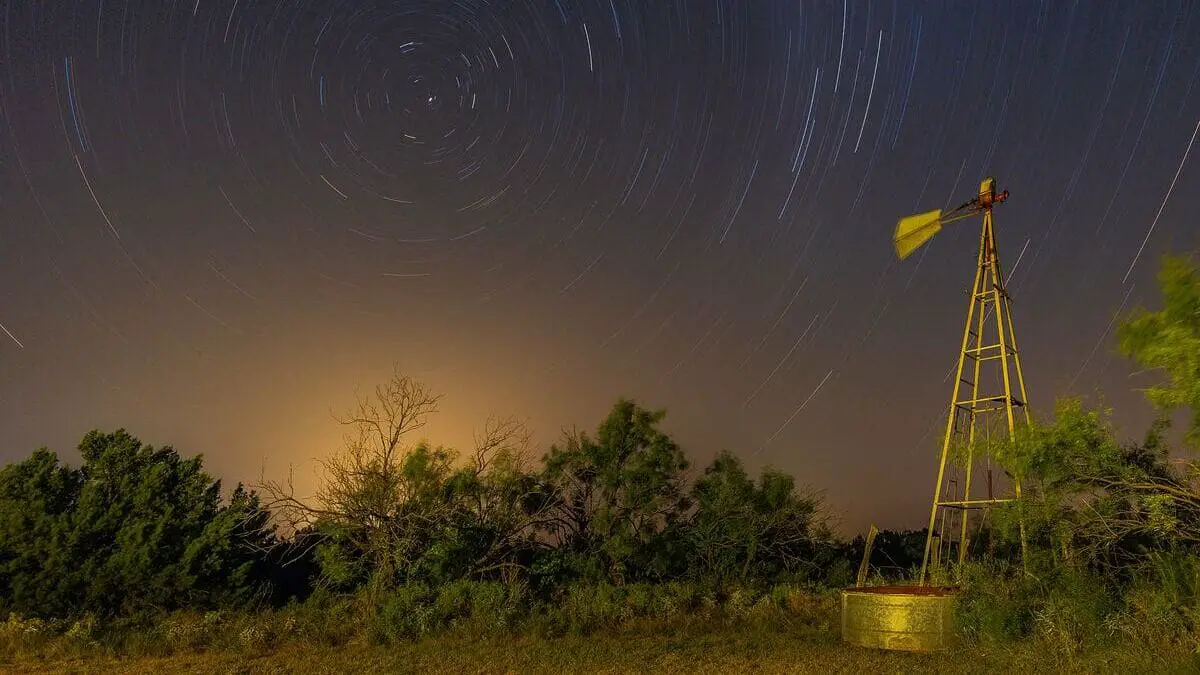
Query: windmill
989	388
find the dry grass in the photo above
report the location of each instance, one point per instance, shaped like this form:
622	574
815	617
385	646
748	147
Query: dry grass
788	630
715	649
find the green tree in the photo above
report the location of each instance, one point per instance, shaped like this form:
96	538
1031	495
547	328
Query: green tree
1169	340
1090	499
747	531
134	528
617	498
37	499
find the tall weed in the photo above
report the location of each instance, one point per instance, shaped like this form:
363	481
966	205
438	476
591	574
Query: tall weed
1065	610
1162	605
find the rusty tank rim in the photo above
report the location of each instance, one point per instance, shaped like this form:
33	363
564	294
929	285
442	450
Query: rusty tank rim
897	589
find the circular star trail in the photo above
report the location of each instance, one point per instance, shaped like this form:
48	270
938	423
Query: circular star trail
219	218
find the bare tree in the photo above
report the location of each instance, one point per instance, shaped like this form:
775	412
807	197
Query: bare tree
508	501
363	488
388	501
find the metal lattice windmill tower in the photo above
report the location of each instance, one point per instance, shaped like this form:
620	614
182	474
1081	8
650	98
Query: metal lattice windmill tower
989	388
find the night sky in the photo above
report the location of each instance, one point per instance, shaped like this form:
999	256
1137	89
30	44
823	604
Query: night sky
218	218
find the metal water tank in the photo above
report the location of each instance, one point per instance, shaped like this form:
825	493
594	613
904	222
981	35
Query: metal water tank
905	618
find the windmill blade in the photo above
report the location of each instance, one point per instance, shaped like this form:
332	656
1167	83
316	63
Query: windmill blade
915	230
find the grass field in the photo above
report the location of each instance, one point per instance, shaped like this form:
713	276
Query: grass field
713	649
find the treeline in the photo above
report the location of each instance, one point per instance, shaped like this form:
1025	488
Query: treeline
405	537
136	528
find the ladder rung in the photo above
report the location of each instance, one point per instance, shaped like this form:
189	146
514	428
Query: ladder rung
964	403
980	349
983	399
973	503
972	351
983	411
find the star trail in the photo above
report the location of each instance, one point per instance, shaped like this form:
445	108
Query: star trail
220	218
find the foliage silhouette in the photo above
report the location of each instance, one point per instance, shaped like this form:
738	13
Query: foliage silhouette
1169	340
134	528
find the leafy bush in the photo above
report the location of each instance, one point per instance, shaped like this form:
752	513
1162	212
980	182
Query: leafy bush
997	604
134	529
1074	612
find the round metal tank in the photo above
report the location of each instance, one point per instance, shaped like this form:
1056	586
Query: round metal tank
905	618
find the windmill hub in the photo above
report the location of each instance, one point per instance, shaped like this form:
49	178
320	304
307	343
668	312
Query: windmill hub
988	195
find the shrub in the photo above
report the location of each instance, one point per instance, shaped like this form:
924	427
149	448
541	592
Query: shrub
587	608
134	529
404	613
672	599
997	604
1067	610
497	608
1162	606
325	618
1073	612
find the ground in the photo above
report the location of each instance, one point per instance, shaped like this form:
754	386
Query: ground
712	651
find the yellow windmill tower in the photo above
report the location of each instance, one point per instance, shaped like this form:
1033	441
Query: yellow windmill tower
989	388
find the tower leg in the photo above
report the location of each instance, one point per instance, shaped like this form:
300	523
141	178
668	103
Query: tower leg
1008	348
954	407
